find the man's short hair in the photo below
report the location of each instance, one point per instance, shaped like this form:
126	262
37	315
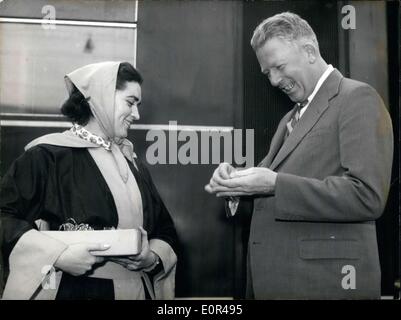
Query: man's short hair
286	25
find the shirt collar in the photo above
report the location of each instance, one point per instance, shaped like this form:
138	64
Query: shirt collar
319	83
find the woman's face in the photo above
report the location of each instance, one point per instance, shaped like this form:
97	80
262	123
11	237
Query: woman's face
126	108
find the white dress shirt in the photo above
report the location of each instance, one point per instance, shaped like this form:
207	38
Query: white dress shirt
319	83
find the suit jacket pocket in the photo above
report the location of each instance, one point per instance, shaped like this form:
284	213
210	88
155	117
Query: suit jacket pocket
310	249
320	131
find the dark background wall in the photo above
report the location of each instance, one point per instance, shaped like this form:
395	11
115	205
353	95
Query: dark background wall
189	53
388	225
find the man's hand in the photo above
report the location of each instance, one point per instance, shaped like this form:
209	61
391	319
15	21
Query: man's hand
223	172
246	182
142	260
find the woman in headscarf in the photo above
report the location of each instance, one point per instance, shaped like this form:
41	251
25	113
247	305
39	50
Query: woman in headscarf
88	176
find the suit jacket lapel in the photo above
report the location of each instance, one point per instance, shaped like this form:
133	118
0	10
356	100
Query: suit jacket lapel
312	114
277	141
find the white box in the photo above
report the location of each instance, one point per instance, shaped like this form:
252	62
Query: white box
123	242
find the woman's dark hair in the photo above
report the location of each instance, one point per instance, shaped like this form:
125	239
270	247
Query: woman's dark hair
127	73
76	107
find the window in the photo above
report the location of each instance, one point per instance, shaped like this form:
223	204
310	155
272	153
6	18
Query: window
36	50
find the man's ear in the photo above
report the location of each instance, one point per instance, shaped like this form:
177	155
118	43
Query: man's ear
311	52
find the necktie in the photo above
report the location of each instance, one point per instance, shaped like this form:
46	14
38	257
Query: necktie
295	118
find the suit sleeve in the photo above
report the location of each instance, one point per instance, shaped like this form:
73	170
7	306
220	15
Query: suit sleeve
366	153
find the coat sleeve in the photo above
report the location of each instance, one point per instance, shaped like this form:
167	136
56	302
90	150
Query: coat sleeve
366	154
160	221
22	192
29	253
162	234
162	239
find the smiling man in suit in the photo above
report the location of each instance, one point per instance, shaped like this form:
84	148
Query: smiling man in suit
324	182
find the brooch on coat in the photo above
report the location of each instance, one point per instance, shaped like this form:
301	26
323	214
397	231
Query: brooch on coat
72	225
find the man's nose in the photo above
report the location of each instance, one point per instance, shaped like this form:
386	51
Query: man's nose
134	112
274	78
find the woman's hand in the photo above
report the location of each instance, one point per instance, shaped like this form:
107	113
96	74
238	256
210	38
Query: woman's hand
77	259
139	261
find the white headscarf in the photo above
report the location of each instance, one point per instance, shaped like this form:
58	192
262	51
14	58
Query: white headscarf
97	83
